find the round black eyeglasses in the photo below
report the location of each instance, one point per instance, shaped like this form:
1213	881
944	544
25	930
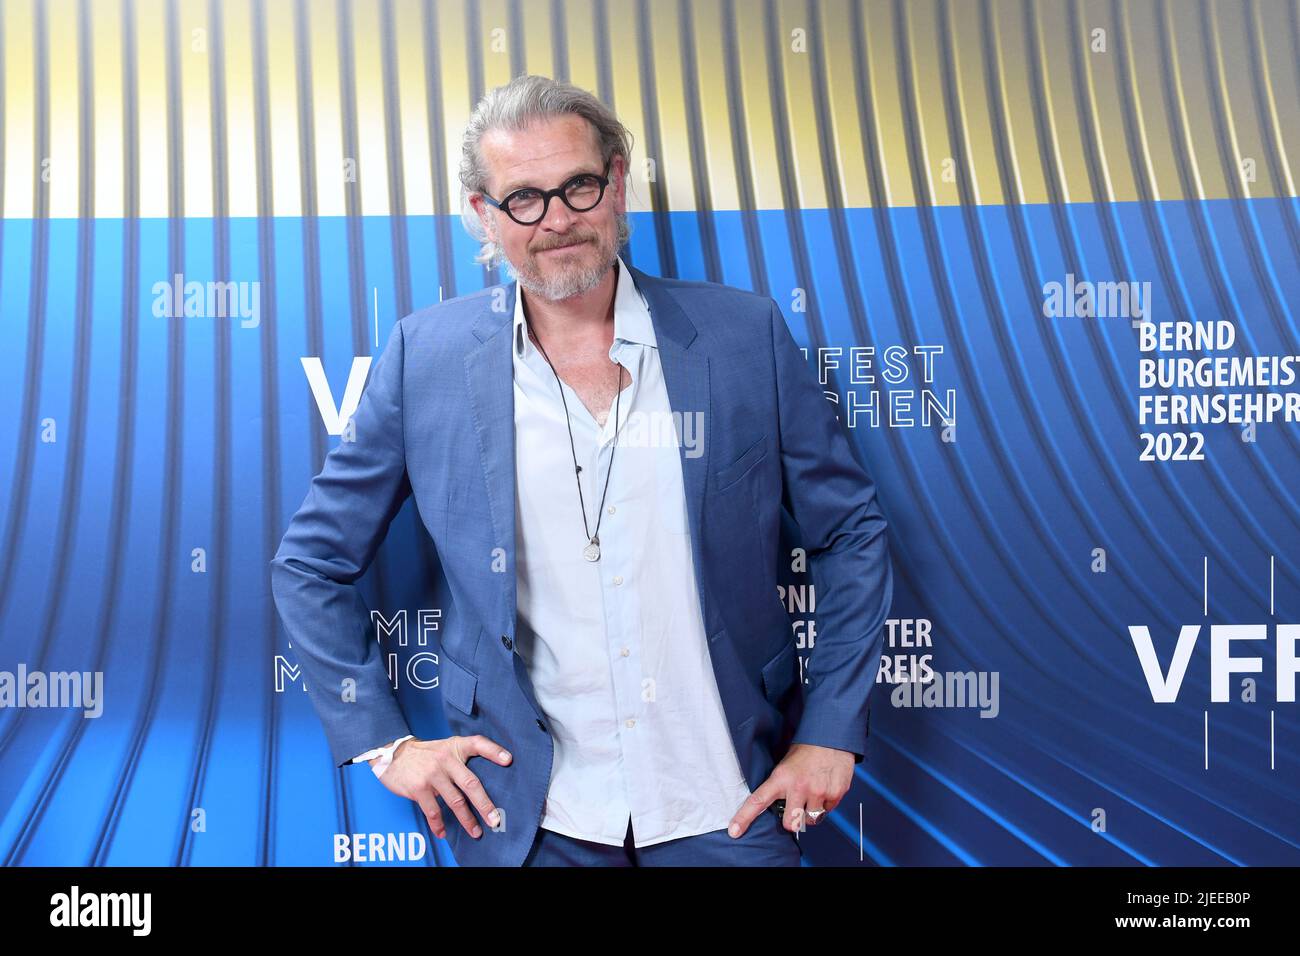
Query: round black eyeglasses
528	206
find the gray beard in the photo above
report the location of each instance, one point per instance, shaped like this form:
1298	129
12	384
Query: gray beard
565	286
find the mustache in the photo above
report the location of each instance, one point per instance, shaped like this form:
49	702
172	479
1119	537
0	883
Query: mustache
563	245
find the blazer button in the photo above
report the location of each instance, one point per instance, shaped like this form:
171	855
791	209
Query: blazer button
541	726
505	639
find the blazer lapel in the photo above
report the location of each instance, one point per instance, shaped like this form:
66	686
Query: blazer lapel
489	382
686	377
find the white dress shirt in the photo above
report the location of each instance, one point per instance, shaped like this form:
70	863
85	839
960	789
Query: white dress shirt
616	648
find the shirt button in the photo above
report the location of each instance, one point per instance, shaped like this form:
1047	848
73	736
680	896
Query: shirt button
618	579
631	722
610	509
626	652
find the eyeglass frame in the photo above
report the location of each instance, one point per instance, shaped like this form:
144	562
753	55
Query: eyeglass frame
548	194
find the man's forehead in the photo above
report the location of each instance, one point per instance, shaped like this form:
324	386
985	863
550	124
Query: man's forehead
524	158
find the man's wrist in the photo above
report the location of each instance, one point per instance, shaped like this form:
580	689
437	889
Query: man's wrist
382	757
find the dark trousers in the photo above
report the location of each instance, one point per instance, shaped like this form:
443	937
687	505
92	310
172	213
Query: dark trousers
765	843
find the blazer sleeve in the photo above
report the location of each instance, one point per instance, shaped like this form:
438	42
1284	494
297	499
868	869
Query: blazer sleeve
833	500
329	544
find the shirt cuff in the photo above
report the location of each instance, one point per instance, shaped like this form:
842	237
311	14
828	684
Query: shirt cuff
384	753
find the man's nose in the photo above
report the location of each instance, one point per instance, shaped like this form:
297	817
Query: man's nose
559	217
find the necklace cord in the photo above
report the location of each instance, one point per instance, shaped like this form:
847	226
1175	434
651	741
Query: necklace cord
618	398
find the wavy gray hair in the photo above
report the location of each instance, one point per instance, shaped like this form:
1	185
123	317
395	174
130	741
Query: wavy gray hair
515	106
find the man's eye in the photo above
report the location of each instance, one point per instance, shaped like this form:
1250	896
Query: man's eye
525	195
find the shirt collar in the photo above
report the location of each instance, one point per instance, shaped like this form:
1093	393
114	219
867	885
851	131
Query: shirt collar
631	314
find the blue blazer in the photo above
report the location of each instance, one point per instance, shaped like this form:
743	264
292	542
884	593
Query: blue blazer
436	421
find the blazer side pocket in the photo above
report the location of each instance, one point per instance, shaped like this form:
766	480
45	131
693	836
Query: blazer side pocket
458	684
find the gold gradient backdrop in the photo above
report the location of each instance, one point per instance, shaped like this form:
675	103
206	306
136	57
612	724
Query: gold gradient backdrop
1171	79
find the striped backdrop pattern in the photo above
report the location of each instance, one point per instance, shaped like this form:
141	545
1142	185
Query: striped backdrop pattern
892	173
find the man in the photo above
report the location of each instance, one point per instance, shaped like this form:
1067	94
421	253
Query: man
618	673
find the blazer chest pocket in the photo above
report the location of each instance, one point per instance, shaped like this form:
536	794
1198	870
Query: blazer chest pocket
458	684
729	474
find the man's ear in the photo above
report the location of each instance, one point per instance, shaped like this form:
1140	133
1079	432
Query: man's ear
484	215
618	174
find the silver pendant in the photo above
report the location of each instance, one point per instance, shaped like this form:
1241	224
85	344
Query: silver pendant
592	551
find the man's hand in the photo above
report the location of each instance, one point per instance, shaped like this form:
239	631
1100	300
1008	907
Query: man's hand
423	770
809	778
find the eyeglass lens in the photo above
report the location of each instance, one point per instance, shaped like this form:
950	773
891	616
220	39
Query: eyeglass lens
582	193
